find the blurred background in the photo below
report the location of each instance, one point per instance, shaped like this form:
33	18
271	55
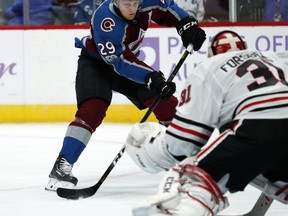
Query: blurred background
57	12
38	60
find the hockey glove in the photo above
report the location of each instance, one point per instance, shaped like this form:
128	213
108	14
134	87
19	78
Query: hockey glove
146	145
190	32
156	83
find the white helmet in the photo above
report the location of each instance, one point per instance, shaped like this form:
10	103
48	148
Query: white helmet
226	41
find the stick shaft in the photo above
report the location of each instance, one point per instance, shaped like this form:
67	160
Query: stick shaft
171	77
90	191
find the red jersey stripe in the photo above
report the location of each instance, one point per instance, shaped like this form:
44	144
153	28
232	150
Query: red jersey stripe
193	132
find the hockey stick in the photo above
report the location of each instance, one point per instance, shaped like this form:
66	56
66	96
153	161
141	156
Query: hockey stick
265	200
75	194
270	192
260	208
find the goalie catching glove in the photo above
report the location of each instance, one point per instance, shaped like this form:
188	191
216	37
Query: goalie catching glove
185	190
191	33
156	83
146	146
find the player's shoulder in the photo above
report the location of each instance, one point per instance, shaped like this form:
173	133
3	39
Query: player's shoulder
240	55
107	23
283	56
212	64
152	3
277	57
105	10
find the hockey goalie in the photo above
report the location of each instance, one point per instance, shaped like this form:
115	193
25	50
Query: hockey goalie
243	94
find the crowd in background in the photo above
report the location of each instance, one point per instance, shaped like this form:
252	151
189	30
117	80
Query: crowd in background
263	10
46	12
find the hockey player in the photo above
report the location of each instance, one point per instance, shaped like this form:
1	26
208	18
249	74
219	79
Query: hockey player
108	61
244	94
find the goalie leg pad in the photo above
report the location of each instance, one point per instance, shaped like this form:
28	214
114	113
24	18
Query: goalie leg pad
146	146
186	190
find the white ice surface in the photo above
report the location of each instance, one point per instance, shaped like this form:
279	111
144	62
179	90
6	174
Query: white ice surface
27	154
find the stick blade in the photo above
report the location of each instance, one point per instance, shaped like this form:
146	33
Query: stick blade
260	208
75	194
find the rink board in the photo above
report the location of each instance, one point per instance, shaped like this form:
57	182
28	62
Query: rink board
37	75
65	113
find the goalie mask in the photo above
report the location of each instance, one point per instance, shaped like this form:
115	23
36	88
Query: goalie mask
226	41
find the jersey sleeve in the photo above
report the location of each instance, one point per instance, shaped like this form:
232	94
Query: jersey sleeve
196	117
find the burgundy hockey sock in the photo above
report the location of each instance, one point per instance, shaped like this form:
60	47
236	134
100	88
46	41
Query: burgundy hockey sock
91	114
88	117
165	109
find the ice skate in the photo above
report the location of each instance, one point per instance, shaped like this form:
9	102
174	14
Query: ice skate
61	175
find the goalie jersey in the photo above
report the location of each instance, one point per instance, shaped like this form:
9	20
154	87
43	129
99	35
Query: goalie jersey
227	87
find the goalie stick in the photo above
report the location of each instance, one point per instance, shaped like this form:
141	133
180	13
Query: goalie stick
70	193
260	208
270	192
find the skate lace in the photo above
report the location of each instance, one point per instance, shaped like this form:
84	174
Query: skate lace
65	167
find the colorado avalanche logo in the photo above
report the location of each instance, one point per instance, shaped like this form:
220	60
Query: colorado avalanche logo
107	24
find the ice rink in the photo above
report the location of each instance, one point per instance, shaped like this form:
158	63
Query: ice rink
27	154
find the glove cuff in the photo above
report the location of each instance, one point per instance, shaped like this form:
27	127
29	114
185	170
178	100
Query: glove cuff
154	79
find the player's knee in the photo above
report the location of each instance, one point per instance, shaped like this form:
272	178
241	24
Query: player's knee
91	113
165	110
